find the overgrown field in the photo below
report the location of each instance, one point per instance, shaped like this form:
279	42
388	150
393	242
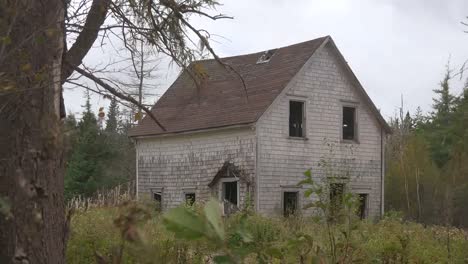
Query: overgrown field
134	234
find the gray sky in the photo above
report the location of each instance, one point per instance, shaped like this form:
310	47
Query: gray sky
395	47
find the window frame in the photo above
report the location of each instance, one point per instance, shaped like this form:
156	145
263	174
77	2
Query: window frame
220	188
355	105
159	191
194	198
188	190
304	117
366	204
283	200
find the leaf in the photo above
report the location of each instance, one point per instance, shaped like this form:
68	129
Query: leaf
138	116
308	193
184	223
5	208
213	215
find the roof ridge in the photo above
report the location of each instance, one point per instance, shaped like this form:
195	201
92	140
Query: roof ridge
262	51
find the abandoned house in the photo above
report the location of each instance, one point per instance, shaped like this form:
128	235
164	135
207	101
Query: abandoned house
250	139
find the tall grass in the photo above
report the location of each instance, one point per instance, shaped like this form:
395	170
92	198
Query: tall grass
141	237
104	198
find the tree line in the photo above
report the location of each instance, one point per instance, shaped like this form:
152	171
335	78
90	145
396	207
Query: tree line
427	160
99	153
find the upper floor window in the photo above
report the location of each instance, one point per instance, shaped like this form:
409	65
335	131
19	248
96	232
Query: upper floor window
349	125
296	119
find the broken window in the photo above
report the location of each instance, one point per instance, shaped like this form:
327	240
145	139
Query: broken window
266	56
349	123
229	196
189	198
336	199
230	192
157	197
296	119
362	205
290	203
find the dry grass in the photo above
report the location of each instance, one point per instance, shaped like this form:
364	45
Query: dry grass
104	198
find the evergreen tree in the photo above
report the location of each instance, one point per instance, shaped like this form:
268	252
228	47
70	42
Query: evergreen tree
112	117
85	169
443	105
439	135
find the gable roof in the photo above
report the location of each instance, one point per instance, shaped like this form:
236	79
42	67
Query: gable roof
222	100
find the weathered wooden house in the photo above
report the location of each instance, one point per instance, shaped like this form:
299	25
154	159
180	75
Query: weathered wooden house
251	139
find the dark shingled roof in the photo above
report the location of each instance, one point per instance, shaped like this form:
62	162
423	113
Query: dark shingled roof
221	100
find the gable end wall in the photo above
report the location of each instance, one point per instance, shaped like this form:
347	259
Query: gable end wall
323	84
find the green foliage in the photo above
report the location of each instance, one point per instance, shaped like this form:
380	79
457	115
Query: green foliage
427	161
112	117
251	238
97	159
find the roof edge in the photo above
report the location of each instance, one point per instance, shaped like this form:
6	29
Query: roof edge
324	42
361	89
193	131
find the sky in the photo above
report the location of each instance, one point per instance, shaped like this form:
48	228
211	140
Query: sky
397	48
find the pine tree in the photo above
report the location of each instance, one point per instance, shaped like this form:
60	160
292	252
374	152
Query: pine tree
85	169
443	105
112	125
440	136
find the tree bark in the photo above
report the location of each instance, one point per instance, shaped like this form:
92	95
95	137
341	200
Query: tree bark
32	229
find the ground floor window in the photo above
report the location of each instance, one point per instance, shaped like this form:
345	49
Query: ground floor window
230	192
362	205
290	203
230	196
189	198
157	197
336	199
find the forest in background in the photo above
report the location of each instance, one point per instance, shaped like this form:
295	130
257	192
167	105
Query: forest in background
427	159
99	154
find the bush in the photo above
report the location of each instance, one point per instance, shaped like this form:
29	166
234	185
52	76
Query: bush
133	233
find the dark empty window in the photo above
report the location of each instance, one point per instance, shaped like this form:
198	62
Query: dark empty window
230	192
296	119
362	205
157	197
336	198
349	123
289	203
190	198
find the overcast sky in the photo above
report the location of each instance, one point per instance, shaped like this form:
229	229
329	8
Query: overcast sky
395	47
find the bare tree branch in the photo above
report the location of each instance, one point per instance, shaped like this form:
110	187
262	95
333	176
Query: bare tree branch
94	20
113	91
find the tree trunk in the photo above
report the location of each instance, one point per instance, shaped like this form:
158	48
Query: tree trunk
32	224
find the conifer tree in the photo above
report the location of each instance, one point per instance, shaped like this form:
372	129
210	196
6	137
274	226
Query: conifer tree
112	125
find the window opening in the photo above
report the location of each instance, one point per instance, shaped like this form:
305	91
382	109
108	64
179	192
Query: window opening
230	192
296	119
190	198
157	197
336	199
362	206
349	123
289	203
